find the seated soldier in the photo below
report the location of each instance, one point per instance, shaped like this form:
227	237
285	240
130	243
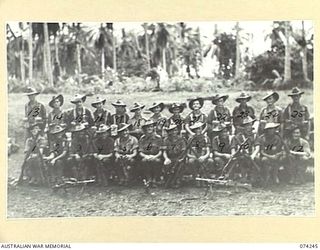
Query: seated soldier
78	162
271	113
296	114
126	150
157	117
221	147
58	154
219	114
150	151
299	153
242	148
34	159
196	115
103	154
100	115
173	148
242	111
137	121
199	152
270	146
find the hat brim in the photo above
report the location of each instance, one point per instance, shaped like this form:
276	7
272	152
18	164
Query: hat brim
248	98
201	101
294	94
135	108
275	94
103	131
171	128
123	128
57	132
276	126
161	105
61	99
94	104
246	123
83	99
224	97
196	127
33	93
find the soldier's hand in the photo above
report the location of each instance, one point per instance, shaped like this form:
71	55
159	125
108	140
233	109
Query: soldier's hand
167	161
201	159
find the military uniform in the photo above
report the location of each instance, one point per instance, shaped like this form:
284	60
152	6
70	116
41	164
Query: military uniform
136	126
192	118
151	144
102	116
221	145
82	115
160	121
240	113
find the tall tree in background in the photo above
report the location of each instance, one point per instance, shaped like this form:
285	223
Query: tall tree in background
22	68
287	62
110	27
30	48
47	54
303	45
162	42
238	56
145	27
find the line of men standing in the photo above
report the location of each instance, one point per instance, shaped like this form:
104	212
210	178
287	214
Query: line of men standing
80	143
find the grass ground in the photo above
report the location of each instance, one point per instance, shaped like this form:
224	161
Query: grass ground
39	202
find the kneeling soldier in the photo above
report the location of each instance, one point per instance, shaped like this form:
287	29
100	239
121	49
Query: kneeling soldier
173	148
299	153
270	146
199	152
126	149
103	147
150	151
33	149
221	147
58	153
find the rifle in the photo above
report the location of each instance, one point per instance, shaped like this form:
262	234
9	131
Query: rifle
71	183
225	183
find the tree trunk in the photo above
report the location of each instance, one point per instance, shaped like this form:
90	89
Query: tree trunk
79	68
48	53
147	45
287	62
164	63
114	52
102	65
237	69
304	56
22	68
30	53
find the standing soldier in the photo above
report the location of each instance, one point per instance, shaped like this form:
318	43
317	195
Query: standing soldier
120	116
104	147
219	114
244	144
270	146
199	152
176	109
126	149
296	114
100	115
57	116
173	147
221	147
242	111
34	147
298	150
150	151
79	114
137	121
34	110
196	115
58	152
271	113
157	117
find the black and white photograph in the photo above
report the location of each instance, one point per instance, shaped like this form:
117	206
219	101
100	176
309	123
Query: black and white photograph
143	118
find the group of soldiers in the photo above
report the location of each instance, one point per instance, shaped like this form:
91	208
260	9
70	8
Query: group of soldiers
117	148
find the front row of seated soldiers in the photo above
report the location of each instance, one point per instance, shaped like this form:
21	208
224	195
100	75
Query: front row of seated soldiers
153	159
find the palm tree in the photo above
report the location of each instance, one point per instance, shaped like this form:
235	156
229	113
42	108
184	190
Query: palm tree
162	42
237	69
304	54
145	27
287	62
30	52
47	54
22	68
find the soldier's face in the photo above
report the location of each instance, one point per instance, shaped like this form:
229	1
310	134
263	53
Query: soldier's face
270	100
224	133
137	112
35	130
176	111
156	110
125	133
296	98
270	131
120	109
32	98
243	101
56	103
149	129
99	105
220	102
79	104
59	135
196	105
248	128
296	134
198	131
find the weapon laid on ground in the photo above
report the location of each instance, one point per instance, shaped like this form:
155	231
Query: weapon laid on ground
225	183
71	183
